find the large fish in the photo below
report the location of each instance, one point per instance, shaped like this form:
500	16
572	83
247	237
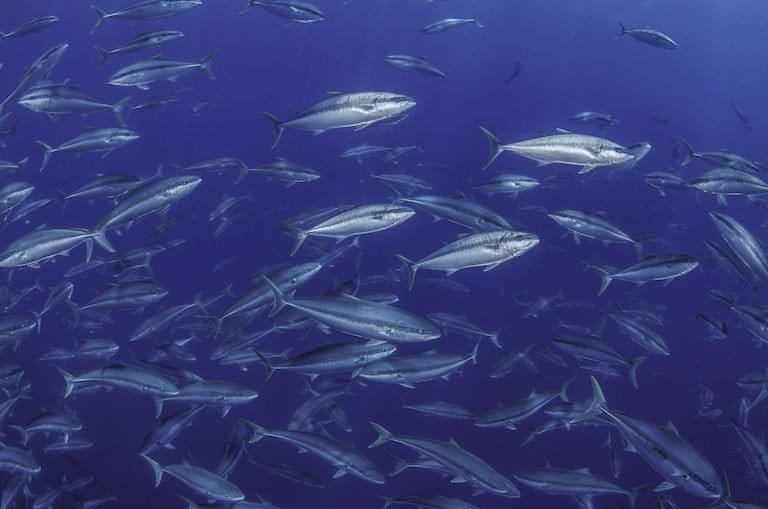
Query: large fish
462	464
359	317
488	250
199	479
149	9
293	10
357	221
661	447
97	140
55	100
653	268
140	41
342	456
45	243
358	110
142	74
589	152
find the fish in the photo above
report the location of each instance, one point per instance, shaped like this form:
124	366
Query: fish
358	317
395	181
31	26
449	23
49	423
43	244
432	501
103	186
588	152
746	246
662	447
461	463
128	295
360	220
595	117
140	41
342	456
358	110
334	358
413	64
407	370
440	409
508	183
721	159
648	36
590	225
13	194
54	100
459	210
579	483
294	10
665	180
148	9
97	140
652	268
198	479
211	393
153	196
461	324
588	347
282	169
487	250
37	71
291	473
638	332
510	415
728	181
125	376
144	73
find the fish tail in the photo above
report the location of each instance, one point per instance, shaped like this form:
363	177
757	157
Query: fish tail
622	28
474	352
258	431
247	7
564	389
156	468
495	338
479	25
190	503
277	294
605	278
2	36
103	15
633	365
270	369
68	379
205	66
300	238
400	465
411	269
598	404
103	55
47	153
384	435
21	164
23	435
276	126
689	154
100	236
496	147
119	110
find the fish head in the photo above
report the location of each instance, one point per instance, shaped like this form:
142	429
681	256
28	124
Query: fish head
122	136
614	153
183	185
391	105
517	243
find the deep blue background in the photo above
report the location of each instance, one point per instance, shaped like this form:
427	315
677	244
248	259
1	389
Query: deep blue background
571	62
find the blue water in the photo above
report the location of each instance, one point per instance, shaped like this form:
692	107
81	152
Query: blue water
570	62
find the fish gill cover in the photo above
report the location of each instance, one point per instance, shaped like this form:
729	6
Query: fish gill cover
264	206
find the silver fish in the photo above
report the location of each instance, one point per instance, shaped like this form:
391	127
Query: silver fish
653	268
648	36
149	9
358	110
144	73
414	64
589	152
97	140
488	250
140	41
199	479
293	10
448	23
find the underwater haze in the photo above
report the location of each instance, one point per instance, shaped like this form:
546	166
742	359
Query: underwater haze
380	253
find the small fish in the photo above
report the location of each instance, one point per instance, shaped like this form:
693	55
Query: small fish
448	23
648	36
